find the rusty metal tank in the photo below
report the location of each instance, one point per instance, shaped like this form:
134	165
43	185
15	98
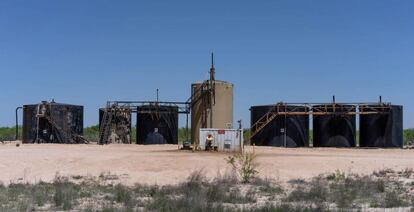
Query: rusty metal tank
51	122
120	129
220	116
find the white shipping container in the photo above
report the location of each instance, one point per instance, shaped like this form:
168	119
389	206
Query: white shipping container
224	140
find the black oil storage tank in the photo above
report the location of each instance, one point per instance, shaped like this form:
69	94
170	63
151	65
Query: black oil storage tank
51	122
283	131
157	124
382	129
120	126
334	130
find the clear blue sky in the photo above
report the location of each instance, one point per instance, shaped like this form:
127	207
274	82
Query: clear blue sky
87	52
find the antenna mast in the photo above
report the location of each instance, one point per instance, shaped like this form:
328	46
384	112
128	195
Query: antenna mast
212	89
212	69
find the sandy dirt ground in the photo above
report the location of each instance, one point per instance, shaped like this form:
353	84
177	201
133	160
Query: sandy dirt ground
165	164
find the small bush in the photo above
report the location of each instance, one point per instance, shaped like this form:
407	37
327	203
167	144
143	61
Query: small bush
24	205
15	190
412	202
316	191
383	173
268	186
244	164
66	193
41	193
123	194
393	200
348	190
109	208
407	173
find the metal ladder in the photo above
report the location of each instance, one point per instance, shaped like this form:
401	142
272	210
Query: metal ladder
105	127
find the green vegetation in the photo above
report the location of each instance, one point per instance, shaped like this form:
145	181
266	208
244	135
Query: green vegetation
91	133
244	165
246	136
9	133
409	137
182	134
330	192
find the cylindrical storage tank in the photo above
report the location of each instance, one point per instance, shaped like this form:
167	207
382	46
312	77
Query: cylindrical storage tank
383	129
334	130
221	115
284	130
120	125
37	126
29	124
157	124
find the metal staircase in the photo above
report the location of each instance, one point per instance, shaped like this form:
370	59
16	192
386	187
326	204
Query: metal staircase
264	120
105	126
67	136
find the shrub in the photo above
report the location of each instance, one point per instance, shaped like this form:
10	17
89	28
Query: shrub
123	195
316	191
268	186
41	193
393	199
66	193
244	164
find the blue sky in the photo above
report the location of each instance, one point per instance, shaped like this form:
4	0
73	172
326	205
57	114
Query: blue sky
87	52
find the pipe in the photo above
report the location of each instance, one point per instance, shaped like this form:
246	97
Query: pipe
240	135
17	122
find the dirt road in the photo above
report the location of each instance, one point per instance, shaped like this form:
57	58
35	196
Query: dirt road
165	164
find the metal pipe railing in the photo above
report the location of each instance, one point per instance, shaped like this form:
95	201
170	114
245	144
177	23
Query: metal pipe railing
17	122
